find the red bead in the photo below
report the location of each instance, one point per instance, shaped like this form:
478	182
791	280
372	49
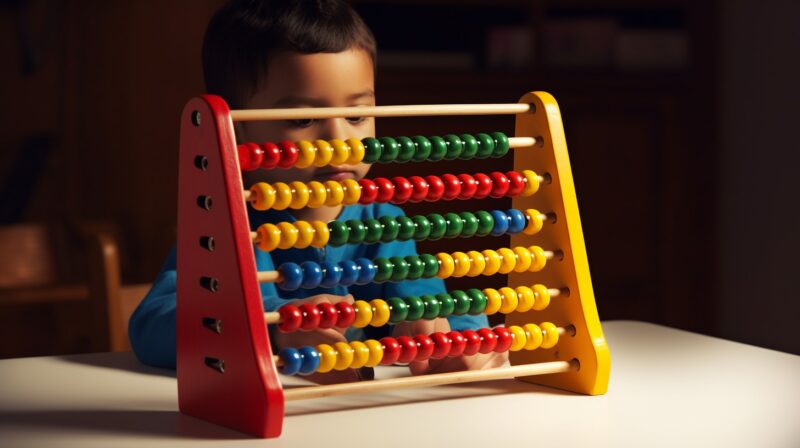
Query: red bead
435	188
402	189
420	187
504	339
291	318
289	154
484	185
452	186
272	155
328	314
516	183
441	345
250	156
385	189
346	314
457	343
369	191
425	347
408	349
391	351
472	342
468	186
488	340
500	184
311	316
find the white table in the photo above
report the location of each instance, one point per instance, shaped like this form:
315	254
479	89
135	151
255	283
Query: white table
668	388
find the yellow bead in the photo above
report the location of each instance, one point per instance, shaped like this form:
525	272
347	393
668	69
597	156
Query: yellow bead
316	194
550	334
352	191
533	336
508	260
360	354
375	352
542	297
380	312
306	155
344	355
324	153
335	193
518	338
305	234
462	264
321	234
492	262
363	314
539	260
446	265
341	152
300	195
510	300
327	358
531	183
356	151
526	298
288	235
535	222
494	300
269	236
524	259
264	196
283	196
477	263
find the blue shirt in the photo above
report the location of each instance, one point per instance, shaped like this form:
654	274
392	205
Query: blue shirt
152	325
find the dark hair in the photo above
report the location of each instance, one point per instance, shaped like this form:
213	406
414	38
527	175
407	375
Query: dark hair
244	34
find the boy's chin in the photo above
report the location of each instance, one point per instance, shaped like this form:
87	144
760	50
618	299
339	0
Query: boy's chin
335	175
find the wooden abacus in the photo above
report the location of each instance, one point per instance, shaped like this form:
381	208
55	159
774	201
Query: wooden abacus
227	373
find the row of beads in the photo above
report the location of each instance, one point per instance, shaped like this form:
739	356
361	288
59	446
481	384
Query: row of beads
320	153
378	312
362	271
398	190
405	349
301	234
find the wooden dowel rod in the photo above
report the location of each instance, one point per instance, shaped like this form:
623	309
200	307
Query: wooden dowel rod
435	379
379	111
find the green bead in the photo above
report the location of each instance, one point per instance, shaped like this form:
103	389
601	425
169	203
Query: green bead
500	144
454	147
384	269
390	149
423	148
431	265
406	228
398	310
374	231
461	302
415	267
400	270
358	231
446	304
478	301
438	226
470	224
485	222
415	308
339	233
470	146
372	149
407	149
438	148
454	225
390	228
423	227
485	146
431	307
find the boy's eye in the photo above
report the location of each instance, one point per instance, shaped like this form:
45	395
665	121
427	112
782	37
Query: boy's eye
356	120
301	123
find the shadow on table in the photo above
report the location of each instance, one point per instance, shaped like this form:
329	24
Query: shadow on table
118	361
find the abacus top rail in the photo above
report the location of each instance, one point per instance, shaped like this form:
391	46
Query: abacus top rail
379	111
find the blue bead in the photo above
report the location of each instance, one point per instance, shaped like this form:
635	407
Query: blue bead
516	221
500	223
331	274
312	274
292	276
349	272
291	361
310	357
367	271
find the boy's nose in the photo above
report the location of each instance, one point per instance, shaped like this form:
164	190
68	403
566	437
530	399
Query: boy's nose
334	128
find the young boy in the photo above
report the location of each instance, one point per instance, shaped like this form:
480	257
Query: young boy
279	54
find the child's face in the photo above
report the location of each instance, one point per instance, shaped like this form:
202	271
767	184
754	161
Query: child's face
319	80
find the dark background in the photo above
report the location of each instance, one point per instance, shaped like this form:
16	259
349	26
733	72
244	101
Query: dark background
679	115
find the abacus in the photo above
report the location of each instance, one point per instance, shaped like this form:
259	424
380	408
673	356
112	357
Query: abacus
227	372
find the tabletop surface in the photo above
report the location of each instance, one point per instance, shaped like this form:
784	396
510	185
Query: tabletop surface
668	388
